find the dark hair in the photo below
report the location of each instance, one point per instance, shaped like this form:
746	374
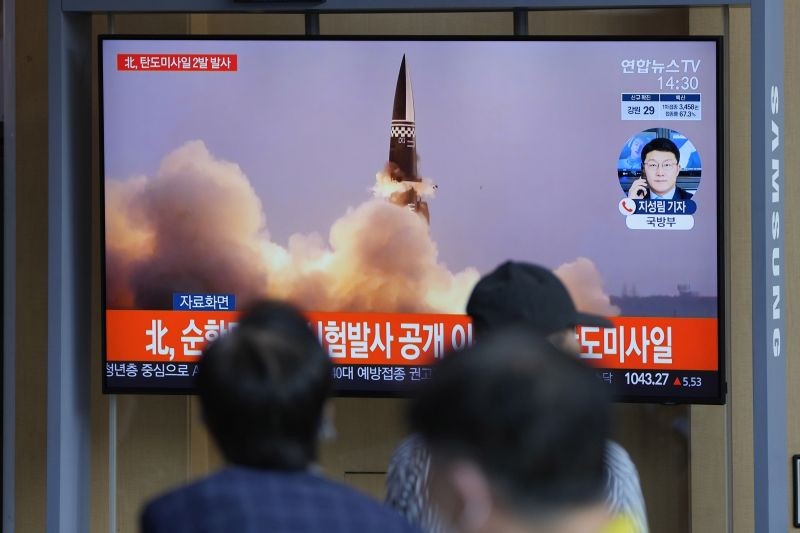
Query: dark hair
534	419
263	387
662	144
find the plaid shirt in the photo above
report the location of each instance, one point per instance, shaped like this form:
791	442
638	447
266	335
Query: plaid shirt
246	500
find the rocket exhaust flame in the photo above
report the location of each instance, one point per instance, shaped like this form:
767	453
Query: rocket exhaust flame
385	186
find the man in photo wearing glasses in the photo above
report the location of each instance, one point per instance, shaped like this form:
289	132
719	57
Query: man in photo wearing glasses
660	165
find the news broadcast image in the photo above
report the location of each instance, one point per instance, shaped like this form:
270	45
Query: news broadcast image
373	182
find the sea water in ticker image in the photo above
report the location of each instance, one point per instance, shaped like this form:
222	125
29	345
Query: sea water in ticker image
373	182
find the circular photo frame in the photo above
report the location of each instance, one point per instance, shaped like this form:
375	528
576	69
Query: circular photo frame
671	167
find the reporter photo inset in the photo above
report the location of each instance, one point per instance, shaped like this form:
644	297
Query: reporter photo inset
659	163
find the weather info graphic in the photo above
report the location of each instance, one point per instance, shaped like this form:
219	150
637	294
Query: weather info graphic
373	182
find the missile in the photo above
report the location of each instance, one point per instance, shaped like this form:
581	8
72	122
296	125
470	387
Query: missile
402	144
402	166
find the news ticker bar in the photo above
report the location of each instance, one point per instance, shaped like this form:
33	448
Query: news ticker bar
393	379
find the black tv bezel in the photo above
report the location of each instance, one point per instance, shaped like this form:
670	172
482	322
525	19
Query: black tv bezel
722	389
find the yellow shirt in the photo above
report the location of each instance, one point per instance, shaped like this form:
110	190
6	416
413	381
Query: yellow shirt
621	524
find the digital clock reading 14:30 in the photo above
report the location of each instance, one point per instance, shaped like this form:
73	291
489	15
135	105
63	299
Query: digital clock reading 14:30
678	83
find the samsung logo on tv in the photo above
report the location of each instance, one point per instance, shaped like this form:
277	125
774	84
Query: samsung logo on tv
776	227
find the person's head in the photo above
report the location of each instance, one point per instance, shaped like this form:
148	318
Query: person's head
635	147
263	387
661	164
517	435
518	293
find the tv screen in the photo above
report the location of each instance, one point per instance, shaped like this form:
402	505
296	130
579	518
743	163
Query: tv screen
372	182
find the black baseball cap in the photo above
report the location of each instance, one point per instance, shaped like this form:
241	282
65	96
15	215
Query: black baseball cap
523	293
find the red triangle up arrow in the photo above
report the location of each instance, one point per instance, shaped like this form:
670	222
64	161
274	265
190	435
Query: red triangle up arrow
677	382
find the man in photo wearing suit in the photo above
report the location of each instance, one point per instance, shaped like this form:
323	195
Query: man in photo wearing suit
661	166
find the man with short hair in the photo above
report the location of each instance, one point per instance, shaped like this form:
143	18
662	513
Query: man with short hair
263	389
660	167
516	432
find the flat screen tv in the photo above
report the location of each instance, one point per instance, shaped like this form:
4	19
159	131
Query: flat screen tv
373	181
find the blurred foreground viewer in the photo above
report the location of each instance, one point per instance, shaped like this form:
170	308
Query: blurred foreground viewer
263	388
516	431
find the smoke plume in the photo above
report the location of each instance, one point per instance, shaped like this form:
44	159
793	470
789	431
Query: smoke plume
198	226
585	285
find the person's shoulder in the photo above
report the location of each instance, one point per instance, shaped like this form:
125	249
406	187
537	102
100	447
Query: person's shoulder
616	454
213	495
407	473
324	501
410	449
407	480
624	491
167	511
334	504
174	497
350	498
363	511
682	194
619	464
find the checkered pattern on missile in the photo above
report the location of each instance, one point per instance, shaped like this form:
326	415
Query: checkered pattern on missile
403	131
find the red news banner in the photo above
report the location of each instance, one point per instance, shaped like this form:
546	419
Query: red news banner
178	62
412	339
